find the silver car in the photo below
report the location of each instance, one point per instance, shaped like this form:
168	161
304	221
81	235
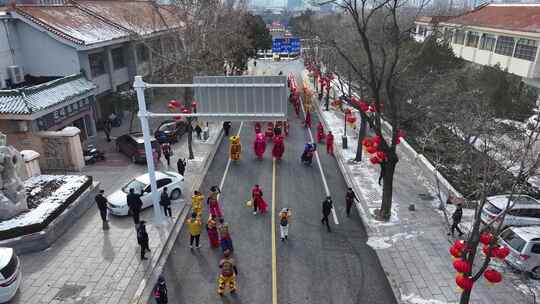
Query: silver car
524	245
523	210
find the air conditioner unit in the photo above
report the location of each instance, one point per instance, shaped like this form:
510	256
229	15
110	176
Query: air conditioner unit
2	82
15	73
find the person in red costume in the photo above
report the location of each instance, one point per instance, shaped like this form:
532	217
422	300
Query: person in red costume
258	201
269	130
320	133
296	104
279	147
257	127
286	127
259	146
330	143
307	122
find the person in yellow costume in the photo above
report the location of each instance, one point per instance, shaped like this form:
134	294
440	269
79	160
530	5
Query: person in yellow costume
236	147
227	274
197	202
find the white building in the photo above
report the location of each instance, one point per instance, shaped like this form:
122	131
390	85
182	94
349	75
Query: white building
496	34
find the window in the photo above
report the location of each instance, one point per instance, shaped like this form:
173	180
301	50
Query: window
459	37
472	39
488	42
97	64
142	53
163	182
118	58
513	240
526	49
505	46
535	248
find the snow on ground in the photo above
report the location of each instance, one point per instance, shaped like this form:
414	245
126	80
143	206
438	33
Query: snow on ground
49	203
387	242
415	299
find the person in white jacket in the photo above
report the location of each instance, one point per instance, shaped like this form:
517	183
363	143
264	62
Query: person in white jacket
284	222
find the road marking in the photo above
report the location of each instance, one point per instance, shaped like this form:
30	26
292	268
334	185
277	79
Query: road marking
228	164
274	259
325	184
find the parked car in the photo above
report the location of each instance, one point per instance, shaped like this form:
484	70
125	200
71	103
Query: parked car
10	274
132	145
524	245
170	131
524	210
118	200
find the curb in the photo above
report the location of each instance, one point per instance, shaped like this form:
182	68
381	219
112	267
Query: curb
145	287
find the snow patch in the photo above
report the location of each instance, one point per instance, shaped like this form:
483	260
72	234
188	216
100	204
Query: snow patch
415	299
386	242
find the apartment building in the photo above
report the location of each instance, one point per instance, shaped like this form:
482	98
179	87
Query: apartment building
495	34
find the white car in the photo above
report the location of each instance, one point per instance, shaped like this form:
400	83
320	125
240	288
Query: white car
524	210
524	245
118	199
10	274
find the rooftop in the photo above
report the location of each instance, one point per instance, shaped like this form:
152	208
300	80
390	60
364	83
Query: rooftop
33	99
433	19
514	17
90	22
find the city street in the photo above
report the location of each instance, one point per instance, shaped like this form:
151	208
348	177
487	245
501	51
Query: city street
313	266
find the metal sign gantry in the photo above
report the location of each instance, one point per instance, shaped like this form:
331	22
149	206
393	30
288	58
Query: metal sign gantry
240	98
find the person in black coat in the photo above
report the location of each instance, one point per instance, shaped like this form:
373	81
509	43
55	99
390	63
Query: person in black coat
350	196
326	210
160	291
181	164
101	202
142	239
165	201
226	127
134	203
456	219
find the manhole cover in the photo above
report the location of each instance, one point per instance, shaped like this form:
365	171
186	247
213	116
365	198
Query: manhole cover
69	291
426	196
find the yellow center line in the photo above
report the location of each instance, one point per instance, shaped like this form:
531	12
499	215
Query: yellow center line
274	259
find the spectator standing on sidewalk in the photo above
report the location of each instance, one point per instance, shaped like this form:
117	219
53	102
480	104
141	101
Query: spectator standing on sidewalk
142	239
284	222
160	291
101	202
165	201
107	128
195	227
135	204
198	130
181	164
456	219
350	196
166	148
326	210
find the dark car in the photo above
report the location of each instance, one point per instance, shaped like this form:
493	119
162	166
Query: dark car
132	145
170	131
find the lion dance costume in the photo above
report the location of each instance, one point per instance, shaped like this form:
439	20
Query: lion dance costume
259	146
227	274
236	147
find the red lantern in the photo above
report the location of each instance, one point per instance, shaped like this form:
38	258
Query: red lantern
351	119
348	111
178	117
381	156
377	139
371	149
374	160
174	103
501	252
492	276
461	266
398	141
459	244
185	110
401	133
465	283
367	142
455	252
486	237
363	106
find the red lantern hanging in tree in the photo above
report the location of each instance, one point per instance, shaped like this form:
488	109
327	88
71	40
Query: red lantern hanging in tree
486	237
371	149
501	252
363	106
459	244
374	160
492	276
381	156
185	110
351	119
455	252
178	117
367	142
377	139
348	111
465	283
461	266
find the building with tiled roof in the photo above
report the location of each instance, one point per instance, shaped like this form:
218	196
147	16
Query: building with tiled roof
507	35
425	25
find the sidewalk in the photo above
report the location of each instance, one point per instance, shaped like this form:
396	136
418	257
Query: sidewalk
89	265
413	246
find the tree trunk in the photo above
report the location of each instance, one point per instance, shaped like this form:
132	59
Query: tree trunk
473	240
361	136
388	182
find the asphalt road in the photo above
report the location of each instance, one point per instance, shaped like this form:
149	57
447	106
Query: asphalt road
313	266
